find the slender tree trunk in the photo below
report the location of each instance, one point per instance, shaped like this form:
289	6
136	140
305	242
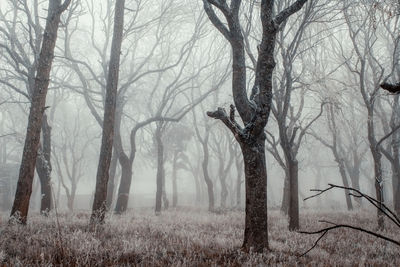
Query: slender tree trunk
294	222
239	170
355	181
99	203
174	178
342	170
224	191
38	101
207	179
160	170
44	168
377	157
197	187
256	221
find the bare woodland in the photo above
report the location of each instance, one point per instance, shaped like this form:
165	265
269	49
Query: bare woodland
206	132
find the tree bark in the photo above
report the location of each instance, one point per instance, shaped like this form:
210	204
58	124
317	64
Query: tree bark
44	168
285	195
256	221
111	181
99	203
24	187
294	222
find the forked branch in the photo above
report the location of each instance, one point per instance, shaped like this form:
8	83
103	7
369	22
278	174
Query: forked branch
355	193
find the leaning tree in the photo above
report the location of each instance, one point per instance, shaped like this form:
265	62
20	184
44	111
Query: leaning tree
38	100
254	111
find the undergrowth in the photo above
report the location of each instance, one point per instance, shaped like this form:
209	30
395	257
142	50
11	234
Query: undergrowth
190	237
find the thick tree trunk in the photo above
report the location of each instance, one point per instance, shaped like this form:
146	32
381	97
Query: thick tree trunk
285	195
111	181
99	203
124	187
256	221
38	101
293	171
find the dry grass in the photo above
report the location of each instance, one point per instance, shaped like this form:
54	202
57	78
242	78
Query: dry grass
189	237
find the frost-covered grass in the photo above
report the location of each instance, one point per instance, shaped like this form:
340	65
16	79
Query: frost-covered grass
190	237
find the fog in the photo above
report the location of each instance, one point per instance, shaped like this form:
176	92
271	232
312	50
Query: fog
211	106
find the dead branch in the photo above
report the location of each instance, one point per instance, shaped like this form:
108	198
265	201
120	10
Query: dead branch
355	193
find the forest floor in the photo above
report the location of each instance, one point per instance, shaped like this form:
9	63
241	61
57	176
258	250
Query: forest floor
190	237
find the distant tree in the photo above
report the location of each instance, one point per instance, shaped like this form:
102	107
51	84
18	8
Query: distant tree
41	83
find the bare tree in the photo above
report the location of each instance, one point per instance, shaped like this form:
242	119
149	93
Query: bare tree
255	111
99	203
41	83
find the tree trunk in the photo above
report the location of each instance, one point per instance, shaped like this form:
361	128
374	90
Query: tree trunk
342	170
285	195
111	181
293	195
396	181
224	191
44	168
99	203
377	157
38	101
160	170
239	170
124	187
256	221
207	179
174	178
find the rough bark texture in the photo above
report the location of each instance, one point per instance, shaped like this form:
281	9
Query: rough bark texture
256	222
38	101
99	202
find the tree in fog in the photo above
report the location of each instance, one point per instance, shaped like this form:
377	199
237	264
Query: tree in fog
70	157
292	83
22	62
38	101
367	69
336	147
100	196
255	111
